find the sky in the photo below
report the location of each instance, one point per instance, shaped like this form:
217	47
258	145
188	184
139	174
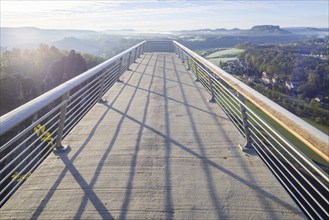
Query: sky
163	15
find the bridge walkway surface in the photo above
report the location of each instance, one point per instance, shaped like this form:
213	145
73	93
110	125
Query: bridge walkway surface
155	150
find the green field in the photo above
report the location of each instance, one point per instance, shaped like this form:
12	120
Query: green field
223	55
216	61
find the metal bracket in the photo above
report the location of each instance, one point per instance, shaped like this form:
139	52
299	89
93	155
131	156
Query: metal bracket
61	149
102	101
212	100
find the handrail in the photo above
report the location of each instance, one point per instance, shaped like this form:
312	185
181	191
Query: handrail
304	180
11	119
38	127
159	46
312	137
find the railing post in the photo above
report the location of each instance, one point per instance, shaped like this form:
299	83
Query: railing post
247	145
59	147
183	57
142	48
178	52
139	51
120	69
188	63
129	60
146	47
212	99
135	56
100	99
196	73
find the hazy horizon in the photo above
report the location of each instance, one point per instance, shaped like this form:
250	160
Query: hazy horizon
162	16
130	29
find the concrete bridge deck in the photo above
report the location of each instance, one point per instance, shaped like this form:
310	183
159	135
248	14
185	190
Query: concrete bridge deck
156	150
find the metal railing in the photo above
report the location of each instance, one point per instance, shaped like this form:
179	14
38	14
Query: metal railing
302	178
158	46
30	132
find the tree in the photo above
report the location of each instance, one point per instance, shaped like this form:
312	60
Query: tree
315	106
24	73
313	78
308	90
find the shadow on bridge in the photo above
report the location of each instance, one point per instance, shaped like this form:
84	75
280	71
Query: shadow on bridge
165	75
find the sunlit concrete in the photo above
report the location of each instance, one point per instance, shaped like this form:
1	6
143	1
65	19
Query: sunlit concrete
155	150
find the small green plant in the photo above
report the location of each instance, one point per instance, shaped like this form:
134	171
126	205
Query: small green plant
20	178
46	136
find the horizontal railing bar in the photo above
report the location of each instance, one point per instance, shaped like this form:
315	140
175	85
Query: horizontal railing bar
159	41
11	141
93	87
229	105
93	82
276	174
312	137
22	143
291	175
19	114
21	153
86	103
293	167
74	120
22	161
21	172
288	144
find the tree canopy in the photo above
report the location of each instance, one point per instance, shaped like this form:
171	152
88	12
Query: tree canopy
26	74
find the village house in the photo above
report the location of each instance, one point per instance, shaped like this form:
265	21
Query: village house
293	85
266	78
251	79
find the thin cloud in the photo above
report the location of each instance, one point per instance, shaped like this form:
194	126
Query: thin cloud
162	15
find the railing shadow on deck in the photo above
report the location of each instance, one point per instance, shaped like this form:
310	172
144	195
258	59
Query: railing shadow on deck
209	162
112	142
31	132
171	142
198	140
69	163
130	181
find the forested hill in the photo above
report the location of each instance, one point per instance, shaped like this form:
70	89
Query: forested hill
306	63
294	75
26	74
